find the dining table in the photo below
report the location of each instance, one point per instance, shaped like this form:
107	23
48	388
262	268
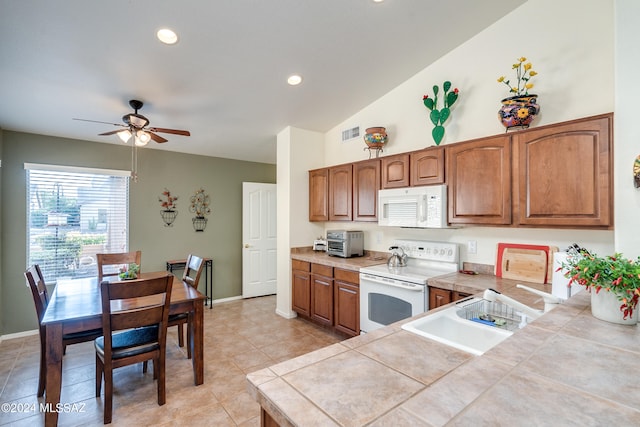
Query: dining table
75	306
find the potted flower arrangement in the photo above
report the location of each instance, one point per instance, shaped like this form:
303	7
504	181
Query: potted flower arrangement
168	204
128	272
521	107
200	206
614	277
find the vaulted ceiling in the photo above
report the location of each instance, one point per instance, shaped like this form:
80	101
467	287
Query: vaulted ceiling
225	79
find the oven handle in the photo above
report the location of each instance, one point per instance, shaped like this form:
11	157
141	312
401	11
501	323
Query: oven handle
391	282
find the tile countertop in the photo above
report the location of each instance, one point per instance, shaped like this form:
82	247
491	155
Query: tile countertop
565	368
353	263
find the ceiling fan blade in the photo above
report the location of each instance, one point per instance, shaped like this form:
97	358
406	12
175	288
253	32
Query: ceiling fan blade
173	131
109	133
157	138
97	121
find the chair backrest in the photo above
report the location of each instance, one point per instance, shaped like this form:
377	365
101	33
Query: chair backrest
113	262
193	270
35	281
140	302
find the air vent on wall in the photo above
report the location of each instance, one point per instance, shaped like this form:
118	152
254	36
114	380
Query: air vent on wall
350	133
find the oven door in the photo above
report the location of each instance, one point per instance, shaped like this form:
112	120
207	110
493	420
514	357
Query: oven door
384	301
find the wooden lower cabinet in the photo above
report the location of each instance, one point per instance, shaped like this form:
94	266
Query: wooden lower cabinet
327	296
346	301
266	420
321	298
301	287
439	297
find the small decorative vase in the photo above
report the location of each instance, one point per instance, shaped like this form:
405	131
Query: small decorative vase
199	223
605	306
518	111
375	138
168	216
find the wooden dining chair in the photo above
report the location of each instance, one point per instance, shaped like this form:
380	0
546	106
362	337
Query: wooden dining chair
35	282
135	332
192	272
113	262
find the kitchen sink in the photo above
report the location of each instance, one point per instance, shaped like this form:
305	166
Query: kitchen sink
474	325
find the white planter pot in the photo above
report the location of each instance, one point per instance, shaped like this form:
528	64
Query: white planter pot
605	306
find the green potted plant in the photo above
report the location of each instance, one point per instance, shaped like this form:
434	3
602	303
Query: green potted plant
129	272
612	276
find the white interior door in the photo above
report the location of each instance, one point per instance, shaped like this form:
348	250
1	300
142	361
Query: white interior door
259	239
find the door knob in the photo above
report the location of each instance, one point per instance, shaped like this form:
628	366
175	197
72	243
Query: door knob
246	245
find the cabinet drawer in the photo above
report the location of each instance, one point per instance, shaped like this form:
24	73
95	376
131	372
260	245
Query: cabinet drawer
346	275
322	270
300	265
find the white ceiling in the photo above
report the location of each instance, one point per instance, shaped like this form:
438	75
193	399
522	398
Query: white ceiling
225	80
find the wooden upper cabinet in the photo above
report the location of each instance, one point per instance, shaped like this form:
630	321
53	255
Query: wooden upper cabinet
366	183
427	166
479	181
340	193
395	171
563	174
319	195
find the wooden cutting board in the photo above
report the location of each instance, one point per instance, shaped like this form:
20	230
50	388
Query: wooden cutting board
531	263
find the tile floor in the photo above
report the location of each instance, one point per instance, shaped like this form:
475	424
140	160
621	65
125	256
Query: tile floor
240	337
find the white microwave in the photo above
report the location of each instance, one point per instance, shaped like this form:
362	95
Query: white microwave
419	207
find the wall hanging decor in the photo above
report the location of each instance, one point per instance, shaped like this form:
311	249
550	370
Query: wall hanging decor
439	116
375	138
168	204
636	172
200	206
521	108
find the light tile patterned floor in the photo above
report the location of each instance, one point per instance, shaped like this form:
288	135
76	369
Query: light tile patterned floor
240	337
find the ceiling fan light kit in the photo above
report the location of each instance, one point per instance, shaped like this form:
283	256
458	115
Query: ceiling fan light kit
136	126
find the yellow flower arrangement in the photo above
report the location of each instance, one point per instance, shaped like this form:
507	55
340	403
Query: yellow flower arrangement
524	73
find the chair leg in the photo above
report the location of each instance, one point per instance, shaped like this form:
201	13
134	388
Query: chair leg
162	394
144	367
189	338
43	370
180	336
156	367
99	370
108	395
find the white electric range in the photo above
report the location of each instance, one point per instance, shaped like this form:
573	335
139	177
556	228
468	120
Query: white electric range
390	294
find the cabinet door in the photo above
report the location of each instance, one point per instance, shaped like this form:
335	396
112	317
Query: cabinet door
438	297
366	183
347	308
301	292
563	174
456	296
340	192
319	195
479	178
395	171
322	299
427	166
346	301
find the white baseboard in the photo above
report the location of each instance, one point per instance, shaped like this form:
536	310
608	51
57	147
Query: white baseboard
19	335
221	300
290	315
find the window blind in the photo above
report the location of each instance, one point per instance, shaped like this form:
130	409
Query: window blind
72	215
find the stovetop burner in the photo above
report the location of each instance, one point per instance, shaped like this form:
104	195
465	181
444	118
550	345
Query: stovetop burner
425	260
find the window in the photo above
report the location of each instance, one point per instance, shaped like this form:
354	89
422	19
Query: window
73	214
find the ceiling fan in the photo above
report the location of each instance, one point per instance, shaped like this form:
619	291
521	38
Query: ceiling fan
136	125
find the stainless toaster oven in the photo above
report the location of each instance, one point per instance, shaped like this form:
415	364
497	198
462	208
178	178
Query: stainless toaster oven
345	243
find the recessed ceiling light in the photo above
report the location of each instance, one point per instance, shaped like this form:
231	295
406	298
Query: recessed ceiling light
378	1
167	36
294	80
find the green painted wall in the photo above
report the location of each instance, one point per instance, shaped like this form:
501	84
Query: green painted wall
182	174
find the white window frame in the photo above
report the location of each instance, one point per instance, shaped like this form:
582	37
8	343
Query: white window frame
60	267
